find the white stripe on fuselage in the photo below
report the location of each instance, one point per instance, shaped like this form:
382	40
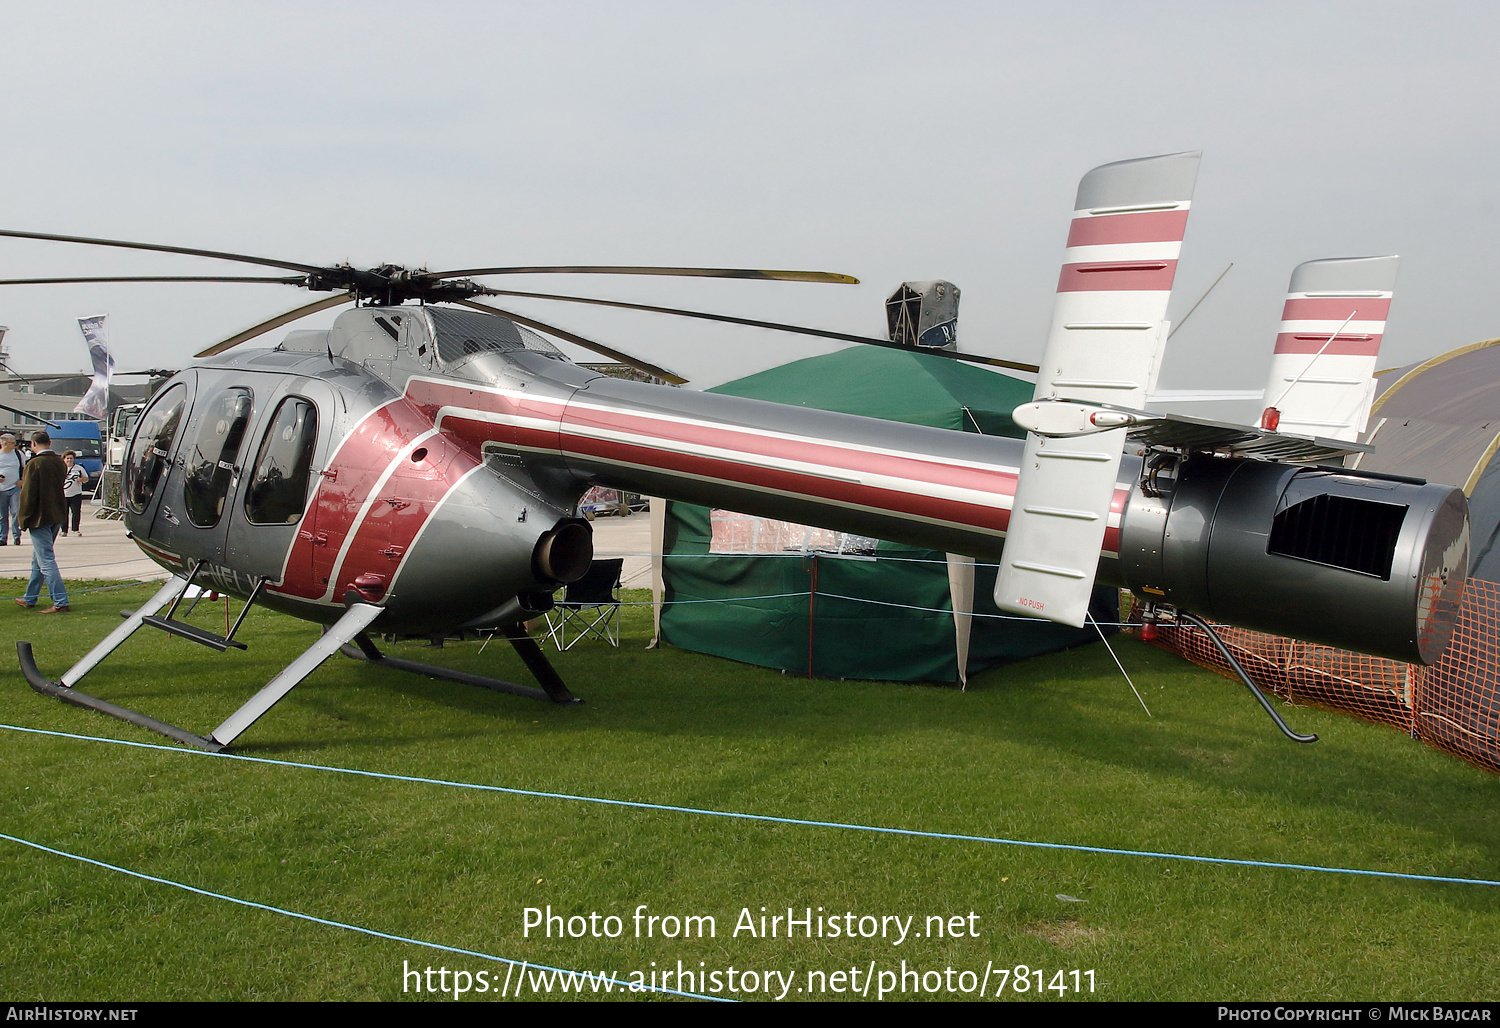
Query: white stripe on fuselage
312	503
359	519
1101	253
427	522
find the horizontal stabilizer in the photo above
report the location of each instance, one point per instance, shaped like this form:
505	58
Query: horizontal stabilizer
1173	431
1063	419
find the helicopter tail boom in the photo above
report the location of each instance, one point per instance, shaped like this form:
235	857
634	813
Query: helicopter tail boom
1398	545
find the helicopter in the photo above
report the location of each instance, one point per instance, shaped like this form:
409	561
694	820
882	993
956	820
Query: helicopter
415	469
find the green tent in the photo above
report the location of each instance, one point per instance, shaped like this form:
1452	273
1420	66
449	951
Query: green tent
891	617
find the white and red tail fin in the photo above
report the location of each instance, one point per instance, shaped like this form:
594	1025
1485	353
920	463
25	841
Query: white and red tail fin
1108	328
1322	378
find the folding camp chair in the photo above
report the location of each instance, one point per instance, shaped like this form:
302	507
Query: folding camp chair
590	606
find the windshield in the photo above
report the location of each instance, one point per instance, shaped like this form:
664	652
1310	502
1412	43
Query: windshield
86	449
125	422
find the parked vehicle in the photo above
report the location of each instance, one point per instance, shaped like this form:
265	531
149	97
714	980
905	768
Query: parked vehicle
83	438
121	428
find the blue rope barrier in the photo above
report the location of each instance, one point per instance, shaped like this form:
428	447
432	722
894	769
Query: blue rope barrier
341	924
740	815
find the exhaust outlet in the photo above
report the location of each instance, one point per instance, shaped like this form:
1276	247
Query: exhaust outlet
564	552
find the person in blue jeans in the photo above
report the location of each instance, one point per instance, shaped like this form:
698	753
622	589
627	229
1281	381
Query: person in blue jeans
43	512
12	461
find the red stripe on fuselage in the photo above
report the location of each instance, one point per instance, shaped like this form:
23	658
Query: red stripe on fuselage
1324	308
360	461
406	502
431	397
798	483
166	558
1145	276
823	453
1139	227
356	465
1344	345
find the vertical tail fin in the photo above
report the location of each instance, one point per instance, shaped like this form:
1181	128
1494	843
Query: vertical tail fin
1322	379
1105	342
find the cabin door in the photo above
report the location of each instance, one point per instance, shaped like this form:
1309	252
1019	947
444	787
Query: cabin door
192	517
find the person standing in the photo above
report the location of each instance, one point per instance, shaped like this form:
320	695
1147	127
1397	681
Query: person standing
73	491
12	461
43	513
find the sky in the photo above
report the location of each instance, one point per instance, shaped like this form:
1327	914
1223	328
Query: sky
886	141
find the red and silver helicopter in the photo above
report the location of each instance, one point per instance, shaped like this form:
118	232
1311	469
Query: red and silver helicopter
415	468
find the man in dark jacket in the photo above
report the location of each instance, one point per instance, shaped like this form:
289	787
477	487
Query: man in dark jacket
43	513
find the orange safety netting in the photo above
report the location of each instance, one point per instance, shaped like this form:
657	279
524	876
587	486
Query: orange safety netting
1453	705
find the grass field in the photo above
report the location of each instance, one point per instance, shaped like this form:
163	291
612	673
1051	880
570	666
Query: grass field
1053	750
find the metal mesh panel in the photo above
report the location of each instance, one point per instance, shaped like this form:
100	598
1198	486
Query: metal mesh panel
537	342
464	334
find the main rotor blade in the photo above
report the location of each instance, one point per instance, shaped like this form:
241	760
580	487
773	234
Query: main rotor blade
291	281
774	325
26	414
242	258
580	269
954	355
587	344
277	322
31	379
12	371
51	378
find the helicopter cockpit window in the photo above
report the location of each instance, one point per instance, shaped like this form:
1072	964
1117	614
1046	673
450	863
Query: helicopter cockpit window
463	334
152	447
210	468
278	490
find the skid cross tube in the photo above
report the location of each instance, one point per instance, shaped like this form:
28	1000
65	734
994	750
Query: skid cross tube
355	620
552	685
133	620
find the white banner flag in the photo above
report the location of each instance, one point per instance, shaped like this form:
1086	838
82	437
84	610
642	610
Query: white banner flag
95	402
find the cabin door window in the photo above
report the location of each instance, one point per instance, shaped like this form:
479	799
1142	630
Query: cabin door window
151	449
209	468
278	486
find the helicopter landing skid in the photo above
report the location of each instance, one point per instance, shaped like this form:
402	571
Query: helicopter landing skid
552	685
355	620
